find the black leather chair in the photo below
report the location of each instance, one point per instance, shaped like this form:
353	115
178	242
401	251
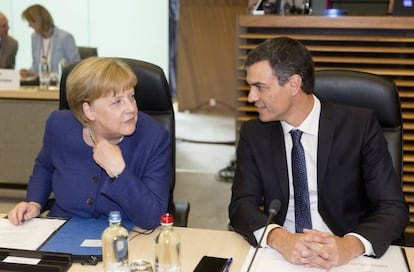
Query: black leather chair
367	90
153	97
372	91
86	52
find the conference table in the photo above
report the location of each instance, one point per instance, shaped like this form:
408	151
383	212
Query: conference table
195	243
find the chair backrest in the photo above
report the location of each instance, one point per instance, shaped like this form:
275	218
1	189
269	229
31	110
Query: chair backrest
371	91
153	97
86	52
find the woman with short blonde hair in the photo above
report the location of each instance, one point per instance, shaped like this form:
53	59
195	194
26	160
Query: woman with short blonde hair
99	156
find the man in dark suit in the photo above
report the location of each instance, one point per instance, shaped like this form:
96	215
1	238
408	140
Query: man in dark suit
356	205
8	45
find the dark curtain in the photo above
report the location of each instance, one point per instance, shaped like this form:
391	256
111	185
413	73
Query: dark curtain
174	9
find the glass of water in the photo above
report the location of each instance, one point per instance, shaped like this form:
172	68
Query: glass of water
140	266
53	80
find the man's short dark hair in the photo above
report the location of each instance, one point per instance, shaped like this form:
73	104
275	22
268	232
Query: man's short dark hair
287	57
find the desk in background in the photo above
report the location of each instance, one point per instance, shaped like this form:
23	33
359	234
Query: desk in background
22	119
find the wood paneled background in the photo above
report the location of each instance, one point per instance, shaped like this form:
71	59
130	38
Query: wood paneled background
207	53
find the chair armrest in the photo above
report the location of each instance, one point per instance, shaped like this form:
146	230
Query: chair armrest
182	211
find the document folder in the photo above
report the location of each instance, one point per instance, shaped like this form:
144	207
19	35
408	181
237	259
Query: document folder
33	261
71	237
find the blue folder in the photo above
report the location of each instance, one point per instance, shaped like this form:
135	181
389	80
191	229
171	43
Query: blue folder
69	236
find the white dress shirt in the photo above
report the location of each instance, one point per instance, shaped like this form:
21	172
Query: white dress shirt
309	140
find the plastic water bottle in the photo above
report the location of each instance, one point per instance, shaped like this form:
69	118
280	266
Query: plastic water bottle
115	245
44	74
61	66
167	247
307	7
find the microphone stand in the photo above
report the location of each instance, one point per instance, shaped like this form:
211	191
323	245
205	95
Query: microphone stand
273	210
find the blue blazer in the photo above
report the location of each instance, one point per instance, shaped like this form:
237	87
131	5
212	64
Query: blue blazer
63	46
358	189
81	188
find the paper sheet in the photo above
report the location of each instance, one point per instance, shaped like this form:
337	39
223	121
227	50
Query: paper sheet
31	235
268	259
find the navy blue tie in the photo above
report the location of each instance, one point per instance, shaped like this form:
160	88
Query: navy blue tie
300	184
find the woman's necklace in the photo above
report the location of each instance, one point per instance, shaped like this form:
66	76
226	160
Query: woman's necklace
93	137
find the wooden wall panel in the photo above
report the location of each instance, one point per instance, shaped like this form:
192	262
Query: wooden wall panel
206	52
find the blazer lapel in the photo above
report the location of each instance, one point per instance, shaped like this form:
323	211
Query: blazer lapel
325	138
278	145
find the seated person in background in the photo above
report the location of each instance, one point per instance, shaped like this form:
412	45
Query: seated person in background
102	155
355	202
8	45
48	41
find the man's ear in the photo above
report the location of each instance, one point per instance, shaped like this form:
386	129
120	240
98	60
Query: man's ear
295	83
87	110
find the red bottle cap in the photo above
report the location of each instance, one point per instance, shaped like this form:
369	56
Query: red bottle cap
167	219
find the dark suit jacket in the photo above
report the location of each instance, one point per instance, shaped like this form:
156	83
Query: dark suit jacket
8	51
358	189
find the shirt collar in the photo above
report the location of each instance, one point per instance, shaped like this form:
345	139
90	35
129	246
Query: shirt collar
311	123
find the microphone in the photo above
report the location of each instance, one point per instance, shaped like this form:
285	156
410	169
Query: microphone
273	210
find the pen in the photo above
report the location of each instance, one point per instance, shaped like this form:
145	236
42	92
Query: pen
228	263
405	258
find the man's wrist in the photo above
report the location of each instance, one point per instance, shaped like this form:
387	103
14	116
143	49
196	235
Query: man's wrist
356	247
274	236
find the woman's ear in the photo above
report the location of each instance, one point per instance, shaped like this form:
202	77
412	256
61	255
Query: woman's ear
87	110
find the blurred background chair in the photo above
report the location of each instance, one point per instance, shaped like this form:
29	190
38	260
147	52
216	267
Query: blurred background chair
371	91
86	52
153	97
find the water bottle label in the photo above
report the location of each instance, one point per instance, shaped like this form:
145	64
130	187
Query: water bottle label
120	248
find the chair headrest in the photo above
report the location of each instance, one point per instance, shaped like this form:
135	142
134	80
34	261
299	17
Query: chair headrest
151	92
362	90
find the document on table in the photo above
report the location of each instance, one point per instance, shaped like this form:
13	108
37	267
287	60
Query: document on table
268	259
29	236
